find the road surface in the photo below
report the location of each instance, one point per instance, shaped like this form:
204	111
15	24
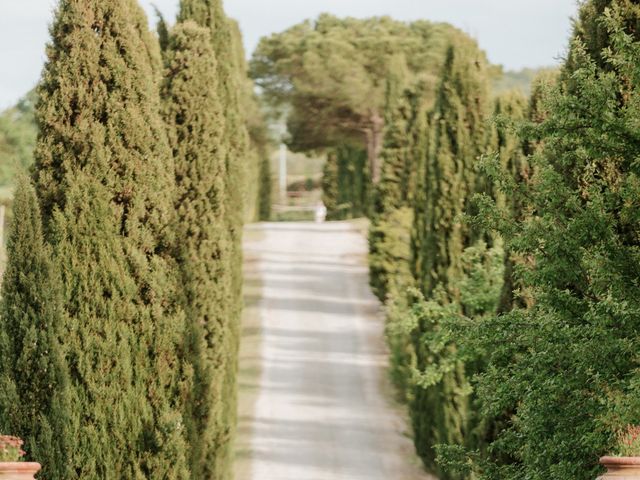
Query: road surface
323	409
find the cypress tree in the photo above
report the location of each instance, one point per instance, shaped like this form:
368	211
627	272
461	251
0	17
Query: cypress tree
210	14
256	163
504	142
576	383
264	196
393	190
441	408
508	139
354	180
330	186
392	219
34	376
196	129
346	183
350	196
458	123
104	177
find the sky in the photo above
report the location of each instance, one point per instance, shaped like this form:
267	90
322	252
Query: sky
515	33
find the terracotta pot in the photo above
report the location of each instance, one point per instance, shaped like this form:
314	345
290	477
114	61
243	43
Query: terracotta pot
620	468
18	470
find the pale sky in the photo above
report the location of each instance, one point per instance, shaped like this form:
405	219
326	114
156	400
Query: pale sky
515	33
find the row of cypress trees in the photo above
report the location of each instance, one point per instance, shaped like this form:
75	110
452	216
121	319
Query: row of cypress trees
505	242
346	183
122	294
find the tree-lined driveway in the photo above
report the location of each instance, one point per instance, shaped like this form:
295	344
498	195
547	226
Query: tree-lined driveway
323	410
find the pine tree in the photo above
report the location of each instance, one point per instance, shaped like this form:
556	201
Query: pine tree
104	177
34	377
196	130
441	409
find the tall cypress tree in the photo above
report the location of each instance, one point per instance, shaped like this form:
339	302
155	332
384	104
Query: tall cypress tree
569	368
256	164
458	122
350	196
210	14
264	195
196	130
392	219
441	409
104	177
34	377
330	186
504	142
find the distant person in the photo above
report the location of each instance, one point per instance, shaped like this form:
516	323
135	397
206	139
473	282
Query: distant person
321	213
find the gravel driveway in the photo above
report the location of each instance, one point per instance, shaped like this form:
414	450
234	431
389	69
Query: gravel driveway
323	409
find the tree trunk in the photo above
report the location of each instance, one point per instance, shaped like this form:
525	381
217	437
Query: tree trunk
374	138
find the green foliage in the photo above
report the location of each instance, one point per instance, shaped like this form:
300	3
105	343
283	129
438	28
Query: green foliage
458	131
34	376
390	253
104	178
391	223
444	369
18	133
330	186
264	196
195	121
231	87
400	324
346	184
564	371
397	184
257	199
441	405
507	153
419	329
330	75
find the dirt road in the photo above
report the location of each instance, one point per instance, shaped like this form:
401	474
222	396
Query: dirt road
322	410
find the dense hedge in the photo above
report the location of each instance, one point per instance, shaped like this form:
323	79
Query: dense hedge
406	143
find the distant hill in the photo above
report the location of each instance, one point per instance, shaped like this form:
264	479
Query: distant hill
517	80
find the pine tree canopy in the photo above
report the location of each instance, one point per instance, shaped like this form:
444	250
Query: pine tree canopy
331	72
